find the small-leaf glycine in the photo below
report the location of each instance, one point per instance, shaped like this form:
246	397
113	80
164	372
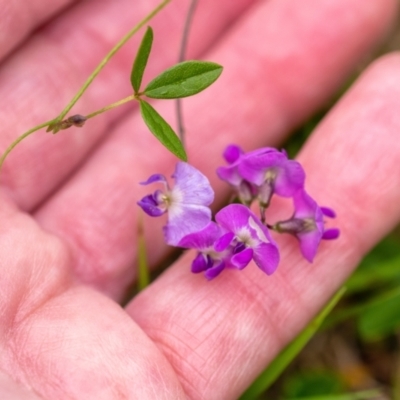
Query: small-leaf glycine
181	80
238	235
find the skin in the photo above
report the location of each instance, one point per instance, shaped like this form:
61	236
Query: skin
68	210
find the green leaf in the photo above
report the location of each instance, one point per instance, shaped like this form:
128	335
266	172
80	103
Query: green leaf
382	317
183	79
140	62
277	366
371	394
161	130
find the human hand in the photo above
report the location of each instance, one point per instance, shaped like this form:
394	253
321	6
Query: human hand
68	202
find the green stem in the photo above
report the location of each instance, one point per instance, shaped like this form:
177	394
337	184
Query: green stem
113	105
22	137
108	57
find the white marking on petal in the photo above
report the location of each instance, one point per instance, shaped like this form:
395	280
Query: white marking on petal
260	234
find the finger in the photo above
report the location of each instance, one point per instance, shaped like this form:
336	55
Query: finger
219	335
266	88
63	341
19	18
39	80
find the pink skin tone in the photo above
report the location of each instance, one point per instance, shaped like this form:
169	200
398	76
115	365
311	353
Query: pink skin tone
68	216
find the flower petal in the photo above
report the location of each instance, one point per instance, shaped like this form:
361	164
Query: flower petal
242	259
183	220
199	264
253	167
230	174
224	241
233	217
330	234
328	212
213	272
290	178
232	153
193	186
266	256
202	239
155	178
309	243
150	206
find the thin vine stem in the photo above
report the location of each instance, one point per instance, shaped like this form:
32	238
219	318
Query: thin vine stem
107	58
182	56
113	105
20	138
86	84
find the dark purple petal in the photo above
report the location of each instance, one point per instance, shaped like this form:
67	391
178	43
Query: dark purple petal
191	186
185	219
242	259
155	178
150	206
266	256
199	264
213	272
232	153
224	241
202	239
328	212
309	243
330	234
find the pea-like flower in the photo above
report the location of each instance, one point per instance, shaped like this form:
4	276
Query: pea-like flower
208	260
307	224
246	238
186	203
260	174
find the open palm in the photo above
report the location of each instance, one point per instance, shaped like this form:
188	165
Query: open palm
68	214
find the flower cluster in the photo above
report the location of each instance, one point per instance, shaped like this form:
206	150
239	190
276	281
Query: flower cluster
238	235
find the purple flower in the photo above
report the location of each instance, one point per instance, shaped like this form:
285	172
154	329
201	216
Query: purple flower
245	190
307	224
246	238
272	172
261	173
208	259
187	202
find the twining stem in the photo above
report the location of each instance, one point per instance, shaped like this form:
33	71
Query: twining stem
108	57
113	105
182	55
20	138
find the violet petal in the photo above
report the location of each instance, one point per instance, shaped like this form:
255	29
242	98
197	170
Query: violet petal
232	153
185	219
150	206
328	212
266	256
191	186
330	234
309	243
224	241
199	264
242	259
213	272
155	178
201	239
